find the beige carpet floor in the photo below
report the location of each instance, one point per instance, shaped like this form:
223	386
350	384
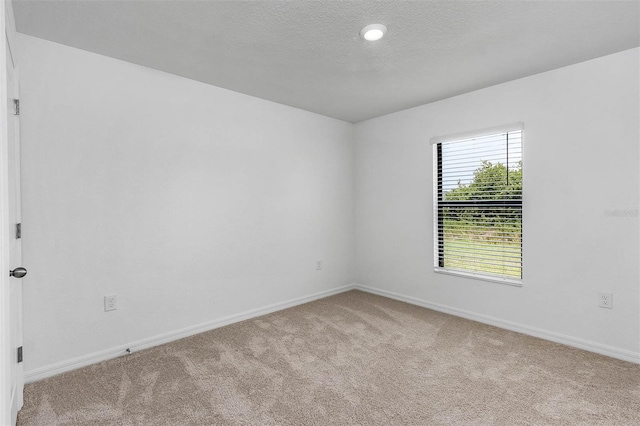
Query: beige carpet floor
350	359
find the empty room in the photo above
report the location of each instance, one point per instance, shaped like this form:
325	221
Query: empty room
320	212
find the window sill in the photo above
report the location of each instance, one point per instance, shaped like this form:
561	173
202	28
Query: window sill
499	280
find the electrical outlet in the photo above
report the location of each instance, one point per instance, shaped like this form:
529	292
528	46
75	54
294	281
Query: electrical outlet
110	303
605	300
318	264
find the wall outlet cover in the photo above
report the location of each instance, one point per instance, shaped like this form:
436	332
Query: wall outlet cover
110	303
605	300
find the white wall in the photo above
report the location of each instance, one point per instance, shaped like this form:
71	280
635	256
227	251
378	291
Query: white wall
581	142
193	203
189	202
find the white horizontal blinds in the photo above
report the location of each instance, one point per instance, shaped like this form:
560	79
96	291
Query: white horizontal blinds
479	196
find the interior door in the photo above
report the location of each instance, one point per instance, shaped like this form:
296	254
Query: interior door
15	240
11	371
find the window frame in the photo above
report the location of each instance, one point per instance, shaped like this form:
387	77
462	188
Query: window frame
438	220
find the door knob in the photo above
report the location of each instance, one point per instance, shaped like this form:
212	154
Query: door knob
18	272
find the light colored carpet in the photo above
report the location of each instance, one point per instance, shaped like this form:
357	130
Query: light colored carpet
350	359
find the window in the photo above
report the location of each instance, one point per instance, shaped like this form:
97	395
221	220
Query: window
478	204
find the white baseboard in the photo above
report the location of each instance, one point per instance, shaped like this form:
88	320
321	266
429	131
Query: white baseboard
93	358
575	342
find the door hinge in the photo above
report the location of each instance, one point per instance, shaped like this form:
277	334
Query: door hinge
18	231
20	354
16	107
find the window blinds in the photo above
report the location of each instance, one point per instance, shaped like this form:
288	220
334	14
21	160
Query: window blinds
478	191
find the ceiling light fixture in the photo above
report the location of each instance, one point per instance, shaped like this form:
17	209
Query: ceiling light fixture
373	32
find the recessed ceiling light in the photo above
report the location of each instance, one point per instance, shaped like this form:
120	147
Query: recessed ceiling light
373	32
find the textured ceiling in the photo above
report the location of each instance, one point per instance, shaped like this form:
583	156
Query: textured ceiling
308	54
